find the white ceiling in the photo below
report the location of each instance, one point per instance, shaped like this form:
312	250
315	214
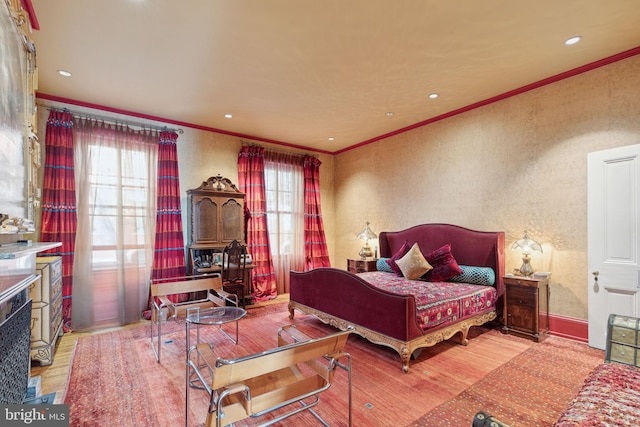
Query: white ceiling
301	71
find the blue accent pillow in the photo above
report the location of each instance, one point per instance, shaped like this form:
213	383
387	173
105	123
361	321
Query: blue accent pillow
475	275
383	265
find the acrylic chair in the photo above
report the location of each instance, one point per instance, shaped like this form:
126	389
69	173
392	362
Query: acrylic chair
206	289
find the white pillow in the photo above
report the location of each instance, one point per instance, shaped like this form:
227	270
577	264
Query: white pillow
413	264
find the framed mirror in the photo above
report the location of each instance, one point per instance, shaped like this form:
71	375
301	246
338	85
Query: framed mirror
19	145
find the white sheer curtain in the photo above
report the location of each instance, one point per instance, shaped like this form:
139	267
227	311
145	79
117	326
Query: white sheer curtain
284	188
115	170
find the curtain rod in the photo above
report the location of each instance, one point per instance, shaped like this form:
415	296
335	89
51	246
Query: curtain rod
114	120
253	144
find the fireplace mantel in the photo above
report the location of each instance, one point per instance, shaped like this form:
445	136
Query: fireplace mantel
17	266
16	250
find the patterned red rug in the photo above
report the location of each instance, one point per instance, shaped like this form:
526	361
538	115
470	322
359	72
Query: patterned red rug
114	378
532	389
116	381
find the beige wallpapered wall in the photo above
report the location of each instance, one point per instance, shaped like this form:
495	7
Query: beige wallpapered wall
517	164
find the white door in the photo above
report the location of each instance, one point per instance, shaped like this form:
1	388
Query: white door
613	242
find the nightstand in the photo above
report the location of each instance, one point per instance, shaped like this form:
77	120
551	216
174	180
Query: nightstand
526	307
361	265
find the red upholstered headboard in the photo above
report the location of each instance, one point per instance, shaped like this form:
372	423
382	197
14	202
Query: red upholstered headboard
469	247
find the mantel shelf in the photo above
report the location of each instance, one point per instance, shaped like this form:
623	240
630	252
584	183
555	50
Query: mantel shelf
16	250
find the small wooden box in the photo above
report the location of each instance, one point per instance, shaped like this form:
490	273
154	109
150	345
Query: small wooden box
623	340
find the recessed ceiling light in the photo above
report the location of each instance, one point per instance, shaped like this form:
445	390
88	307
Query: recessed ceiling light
331	138
64	73
572	40
390	113
433	95
228	116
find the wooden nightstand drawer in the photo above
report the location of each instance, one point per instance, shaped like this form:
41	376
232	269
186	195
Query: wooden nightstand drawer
521	295
520	281
361	265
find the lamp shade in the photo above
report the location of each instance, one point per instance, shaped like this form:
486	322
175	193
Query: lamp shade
367	234
526	244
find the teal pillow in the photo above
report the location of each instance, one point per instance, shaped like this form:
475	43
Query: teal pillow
475	275
383	265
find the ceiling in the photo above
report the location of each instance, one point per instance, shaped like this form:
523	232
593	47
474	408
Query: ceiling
298	72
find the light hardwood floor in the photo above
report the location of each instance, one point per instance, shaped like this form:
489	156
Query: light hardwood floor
53	378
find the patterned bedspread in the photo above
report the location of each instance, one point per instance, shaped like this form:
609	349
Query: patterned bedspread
438	303
610	396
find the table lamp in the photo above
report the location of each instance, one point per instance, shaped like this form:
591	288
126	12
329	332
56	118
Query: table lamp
366	235
526	245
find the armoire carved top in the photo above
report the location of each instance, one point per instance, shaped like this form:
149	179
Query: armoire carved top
217	184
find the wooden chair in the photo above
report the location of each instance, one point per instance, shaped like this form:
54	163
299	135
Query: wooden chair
289	376
206	289
234	267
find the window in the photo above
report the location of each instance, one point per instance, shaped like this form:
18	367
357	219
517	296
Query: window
284	192
115	171
280	209
117	206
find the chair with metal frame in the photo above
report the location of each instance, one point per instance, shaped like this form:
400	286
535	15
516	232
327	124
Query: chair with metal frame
292	374
206	290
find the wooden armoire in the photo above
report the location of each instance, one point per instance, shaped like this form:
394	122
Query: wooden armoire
216	213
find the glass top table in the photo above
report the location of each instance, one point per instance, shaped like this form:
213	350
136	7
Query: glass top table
213	316
207	316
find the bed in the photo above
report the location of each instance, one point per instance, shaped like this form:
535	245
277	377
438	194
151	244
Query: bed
385	309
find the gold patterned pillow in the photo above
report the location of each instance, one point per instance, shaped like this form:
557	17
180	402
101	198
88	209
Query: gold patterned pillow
413	264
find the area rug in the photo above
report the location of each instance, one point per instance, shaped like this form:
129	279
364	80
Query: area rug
115	380
532	389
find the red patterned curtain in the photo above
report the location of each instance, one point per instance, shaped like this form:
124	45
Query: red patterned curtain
251	182
59	219
316	253
168	255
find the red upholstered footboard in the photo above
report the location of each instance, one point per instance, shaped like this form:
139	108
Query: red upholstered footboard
347	296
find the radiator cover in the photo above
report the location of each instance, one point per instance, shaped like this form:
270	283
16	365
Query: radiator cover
15	341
